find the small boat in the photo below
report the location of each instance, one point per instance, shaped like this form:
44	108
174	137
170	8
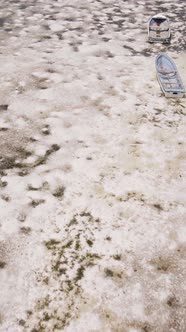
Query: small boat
168	76
159	29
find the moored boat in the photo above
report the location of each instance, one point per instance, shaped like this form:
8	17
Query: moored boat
168	76
159	29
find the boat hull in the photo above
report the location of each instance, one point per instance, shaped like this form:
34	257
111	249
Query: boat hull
152	40
159	30
168	77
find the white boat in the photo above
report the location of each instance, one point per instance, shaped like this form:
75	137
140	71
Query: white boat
168	76
159	29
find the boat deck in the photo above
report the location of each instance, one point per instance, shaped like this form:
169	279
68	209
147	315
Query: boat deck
171	83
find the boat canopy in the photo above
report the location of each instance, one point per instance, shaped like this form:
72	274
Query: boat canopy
161	23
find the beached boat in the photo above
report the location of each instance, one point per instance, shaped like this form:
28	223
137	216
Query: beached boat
168	76
159	29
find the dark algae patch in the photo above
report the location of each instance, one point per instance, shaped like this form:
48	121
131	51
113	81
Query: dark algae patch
71	256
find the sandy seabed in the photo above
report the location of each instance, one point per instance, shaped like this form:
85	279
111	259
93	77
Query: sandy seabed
92	166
